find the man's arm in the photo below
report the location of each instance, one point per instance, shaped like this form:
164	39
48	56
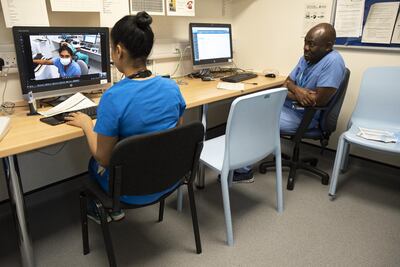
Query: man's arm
43	61
307	97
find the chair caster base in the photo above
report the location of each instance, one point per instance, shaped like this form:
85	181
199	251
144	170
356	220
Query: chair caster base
332	197
200	187
262	170
325	181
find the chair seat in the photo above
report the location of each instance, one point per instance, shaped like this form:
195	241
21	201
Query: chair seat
351	136
213	153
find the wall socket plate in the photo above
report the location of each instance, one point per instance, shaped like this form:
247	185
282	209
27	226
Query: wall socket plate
7	53
10	59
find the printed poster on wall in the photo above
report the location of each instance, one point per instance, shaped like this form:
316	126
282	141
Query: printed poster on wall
180	7
153	7
315	13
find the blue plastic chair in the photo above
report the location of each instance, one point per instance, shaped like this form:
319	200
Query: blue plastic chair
252	133
377	108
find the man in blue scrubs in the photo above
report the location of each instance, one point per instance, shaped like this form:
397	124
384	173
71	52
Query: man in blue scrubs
312	82
316	77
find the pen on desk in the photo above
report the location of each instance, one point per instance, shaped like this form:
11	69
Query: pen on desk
250	83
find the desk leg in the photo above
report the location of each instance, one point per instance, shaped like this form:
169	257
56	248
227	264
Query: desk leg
200	173
18	207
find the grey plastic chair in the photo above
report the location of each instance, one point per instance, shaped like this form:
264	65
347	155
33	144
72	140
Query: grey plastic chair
83	66
252	133
377	108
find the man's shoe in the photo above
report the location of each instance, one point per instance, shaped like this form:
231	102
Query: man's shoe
95	216
243	175
117	215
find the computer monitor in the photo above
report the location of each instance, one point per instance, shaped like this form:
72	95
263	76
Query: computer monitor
88	70
90	39
211	44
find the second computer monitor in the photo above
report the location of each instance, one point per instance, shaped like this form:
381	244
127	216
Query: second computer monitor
211	44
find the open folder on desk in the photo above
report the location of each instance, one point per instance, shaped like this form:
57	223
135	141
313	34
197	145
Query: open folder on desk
76	102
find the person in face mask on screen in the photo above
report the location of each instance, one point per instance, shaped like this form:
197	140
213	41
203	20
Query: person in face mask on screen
65	65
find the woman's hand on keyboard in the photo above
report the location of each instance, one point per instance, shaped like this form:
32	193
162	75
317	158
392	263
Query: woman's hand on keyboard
79	119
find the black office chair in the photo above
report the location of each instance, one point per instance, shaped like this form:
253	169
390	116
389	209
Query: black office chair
327	125
142	165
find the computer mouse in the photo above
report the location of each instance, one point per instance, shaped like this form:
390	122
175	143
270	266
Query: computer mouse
207	79
270	75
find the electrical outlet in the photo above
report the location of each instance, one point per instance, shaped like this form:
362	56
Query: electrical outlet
10	59
7	53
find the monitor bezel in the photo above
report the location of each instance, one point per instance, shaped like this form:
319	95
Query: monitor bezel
215	61
68	88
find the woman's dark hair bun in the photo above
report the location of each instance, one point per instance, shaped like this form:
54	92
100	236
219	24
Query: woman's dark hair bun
143	20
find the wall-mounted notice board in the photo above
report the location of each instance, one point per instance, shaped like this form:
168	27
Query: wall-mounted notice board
370	24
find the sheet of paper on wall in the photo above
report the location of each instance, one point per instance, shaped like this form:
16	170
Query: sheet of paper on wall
113	10
396	32
380	23
349	18
315	13
153	7
76	5
180	7
19	13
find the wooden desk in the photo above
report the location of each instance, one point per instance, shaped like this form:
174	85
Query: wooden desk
28	133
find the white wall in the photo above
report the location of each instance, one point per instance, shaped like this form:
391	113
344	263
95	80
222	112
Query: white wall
270	37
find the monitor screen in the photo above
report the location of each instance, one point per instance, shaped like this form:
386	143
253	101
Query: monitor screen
47	68
90	38
211	43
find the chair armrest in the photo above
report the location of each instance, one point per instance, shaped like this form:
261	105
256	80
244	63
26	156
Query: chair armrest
298	106
309	113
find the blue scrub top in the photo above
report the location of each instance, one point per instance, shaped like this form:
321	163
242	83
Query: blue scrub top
133	107
73	69
328	72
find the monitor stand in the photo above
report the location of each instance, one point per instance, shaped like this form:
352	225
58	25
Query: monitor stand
202	73
56	100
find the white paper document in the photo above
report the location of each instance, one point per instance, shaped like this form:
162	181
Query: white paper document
231	86
113	10
396	32
315	13
380	23
76	5
25	13
180	7
153	7
377	135
349	17
75	102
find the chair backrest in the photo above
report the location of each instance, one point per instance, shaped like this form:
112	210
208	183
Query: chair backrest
83	66
329	117
151	163
252	130
379	97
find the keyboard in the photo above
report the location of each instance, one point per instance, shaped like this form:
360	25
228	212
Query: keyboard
59	118
239	77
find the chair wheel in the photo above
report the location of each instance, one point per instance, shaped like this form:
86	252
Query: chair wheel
314	162
325	181
290	184
200	187
262	170
332	197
